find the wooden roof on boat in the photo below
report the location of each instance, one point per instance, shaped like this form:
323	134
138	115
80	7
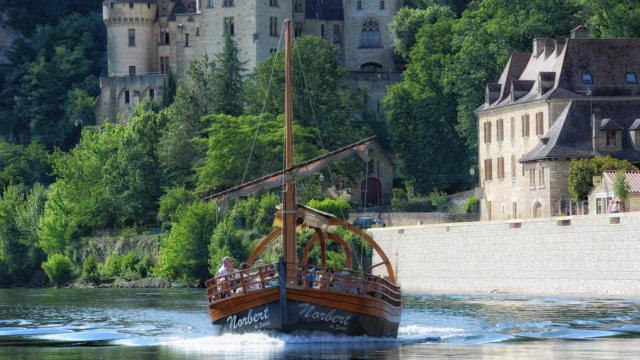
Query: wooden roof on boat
306	168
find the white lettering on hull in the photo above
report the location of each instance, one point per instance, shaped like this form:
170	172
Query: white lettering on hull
258	320
335	319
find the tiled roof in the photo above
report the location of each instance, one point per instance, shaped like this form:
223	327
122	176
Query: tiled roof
570	136
610	124
632	179
324	10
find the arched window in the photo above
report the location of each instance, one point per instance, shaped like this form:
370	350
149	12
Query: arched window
371	67
370	36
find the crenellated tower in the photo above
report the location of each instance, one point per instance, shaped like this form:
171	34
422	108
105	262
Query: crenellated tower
130	35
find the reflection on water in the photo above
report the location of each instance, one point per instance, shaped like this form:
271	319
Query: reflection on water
174	324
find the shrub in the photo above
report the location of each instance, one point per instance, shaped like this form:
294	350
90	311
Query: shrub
472	205
338	207
59	269
90	272
437	198
123	267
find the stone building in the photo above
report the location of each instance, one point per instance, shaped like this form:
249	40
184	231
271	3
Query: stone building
567	99
603	194
146	39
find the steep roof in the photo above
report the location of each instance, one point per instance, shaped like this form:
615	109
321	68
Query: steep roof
564	61
324	10
570	136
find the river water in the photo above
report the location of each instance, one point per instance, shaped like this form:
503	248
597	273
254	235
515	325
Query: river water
173	324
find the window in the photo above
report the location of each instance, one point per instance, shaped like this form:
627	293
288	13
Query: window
297	29
359	5
630	78
297	6
539	123
132	37
370	36
187	43
336	34
273	26
599	206
227	3
500	130
209	3
381	5
611	138
197	30
152	94
587	79
164	36
532	177
525	125
228	25
127	97
500	168
273	3
487	132
322	30
132	70
541	177
512	129
273	50
488	171
130	4
164	64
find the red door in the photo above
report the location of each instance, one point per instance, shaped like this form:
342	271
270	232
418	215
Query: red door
371	192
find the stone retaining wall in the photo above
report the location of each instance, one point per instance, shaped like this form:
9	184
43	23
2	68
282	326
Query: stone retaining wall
580	255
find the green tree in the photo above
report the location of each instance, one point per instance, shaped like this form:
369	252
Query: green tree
610	18
184	254
24	165
111	178
60	269
337	207
231	140
316	75
407	22
228	79
620	186
20	213
582	171
174	200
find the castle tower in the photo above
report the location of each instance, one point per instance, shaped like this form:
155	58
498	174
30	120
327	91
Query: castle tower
130	36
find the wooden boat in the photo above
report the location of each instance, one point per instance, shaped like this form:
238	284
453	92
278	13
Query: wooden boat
291	295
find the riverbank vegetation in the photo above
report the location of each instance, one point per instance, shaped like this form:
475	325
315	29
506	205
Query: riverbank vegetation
73	194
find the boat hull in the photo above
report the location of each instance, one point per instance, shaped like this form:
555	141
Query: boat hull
311	311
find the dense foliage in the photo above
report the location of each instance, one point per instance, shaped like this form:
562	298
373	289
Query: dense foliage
582	171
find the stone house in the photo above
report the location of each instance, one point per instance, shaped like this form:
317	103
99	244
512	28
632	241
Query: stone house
567	99
602	193
146	39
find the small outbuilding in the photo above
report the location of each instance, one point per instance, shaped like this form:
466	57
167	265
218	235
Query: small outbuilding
602	194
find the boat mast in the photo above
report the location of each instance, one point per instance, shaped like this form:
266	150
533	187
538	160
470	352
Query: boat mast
290	207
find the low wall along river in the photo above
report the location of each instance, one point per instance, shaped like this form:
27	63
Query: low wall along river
580	255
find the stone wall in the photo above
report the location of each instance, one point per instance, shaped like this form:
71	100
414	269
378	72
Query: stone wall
580	255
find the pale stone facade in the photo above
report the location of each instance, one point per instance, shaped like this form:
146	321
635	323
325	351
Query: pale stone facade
149	38
577	255
548	107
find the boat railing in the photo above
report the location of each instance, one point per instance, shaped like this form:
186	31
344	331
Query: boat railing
242	282
319	278
349	281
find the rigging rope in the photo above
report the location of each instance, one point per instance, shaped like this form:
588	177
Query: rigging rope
331	176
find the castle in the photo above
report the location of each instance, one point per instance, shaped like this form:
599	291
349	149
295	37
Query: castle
147	39
567	99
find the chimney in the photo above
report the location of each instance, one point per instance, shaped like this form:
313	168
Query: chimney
538	47
549	47
580	32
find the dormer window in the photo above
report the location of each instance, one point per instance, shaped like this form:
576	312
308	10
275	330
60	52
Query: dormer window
610	138
587	79
630	78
